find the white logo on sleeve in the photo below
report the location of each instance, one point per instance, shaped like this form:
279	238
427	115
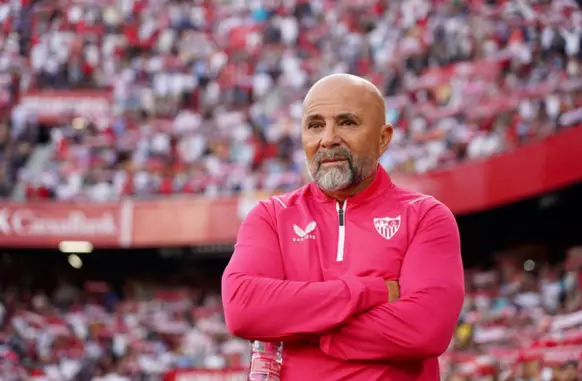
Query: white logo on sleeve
387	226
302	235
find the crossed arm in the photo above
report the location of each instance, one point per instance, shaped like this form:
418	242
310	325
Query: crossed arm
351	316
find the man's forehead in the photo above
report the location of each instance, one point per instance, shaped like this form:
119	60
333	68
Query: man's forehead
337	107
339	94
335	103
336	94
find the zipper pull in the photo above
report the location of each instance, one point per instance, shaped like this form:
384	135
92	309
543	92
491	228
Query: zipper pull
341	237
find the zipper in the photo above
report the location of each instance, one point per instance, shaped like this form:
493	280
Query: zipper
341	238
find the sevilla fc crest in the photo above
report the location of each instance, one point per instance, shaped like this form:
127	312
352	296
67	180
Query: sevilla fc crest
387	226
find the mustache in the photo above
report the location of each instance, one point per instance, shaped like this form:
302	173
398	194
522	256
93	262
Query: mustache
333	154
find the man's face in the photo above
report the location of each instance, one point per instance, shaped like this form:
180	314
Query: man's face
343	136
570	372
531	369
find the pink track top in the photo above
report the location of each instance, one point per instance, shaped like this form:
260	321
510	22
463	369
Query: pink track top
310	272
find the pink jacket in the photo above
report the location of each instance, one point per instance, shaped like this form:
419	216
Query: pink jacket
310	273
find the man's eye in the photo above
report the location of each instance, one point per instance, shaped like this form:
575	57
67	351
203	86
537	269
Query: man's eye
315	125
348	123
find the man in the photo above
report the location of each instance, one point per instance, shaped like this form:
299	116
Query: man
316	268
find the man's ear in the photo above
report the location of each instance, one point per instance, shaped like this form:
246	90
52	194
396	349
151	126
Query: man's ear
385	138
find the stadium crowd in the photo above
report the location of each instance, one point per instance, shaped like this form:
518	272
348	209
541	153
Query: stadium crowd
207	95
521	321
89	334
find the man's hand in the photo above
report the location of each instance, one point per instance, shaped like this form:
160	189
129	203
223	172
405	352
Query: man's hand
393	290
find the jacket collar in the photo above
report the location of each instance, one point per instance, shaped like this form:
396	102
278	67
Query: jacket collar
379	186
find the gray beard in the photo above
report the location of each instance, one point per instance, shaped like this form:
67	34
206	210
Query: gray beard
340	177
336	178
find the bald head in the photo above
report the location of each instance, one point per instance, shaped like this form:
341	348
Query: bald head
348	86
344	132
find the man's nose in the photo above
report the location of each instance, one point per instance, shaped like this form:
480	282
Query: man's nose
330	136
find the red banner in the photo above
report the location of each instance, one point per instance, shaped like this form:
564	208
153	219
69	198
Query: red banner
185	221
51	106
530	170
533	169
49	223
206	375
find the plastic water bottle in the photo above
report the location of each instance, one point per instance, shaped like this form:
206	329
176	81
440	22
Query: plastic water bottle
266	361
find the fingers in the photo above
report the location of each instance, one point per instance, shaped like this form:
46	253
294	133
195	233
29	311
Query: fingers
393	290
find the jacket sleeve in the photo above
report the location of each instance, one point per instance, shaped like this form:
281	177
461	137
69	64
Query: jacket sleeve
260	304
421	323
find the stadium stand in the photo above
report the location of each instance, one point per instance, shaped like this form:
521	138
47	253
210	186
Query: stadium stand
142	98
90	334
513	319
206	98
